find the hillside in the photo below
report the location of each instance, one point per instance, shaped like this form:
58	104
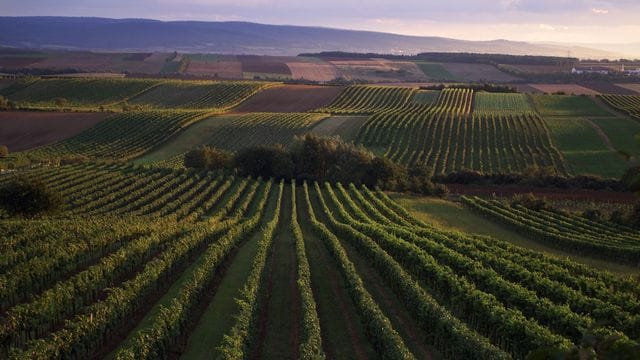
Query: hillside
243	38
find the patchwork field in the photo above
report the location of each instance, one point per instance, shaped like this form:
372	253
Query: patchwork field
148	259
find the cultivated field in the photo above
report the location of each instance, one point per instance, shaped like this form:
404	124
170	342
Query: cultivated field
313	71
567	89
345	260
25	130
147	259
290	98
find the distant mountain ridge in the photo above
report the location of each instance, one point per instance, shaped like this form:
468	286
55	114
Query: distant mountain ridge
142	35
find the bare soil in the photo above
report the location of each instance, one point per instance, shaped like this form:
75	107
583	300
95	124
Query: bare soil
216	69
313	71
265	64
289	98
25	130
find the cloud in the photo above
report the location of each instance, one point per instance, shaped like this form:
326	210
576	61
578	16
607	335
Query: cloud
599	11
546	27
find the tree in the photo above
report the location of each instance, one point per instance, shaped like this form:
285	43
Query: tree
4	151
266	162
26	197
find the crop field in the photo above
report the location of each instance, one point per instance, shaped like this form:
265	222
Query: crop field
477	73
633	87
435	71
567	89
20	130
501	103
290	98
183	263
567	105
585	150
313	71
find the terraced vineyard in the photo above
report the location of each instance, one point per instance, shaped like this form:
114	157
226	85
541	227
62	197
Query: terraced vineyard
122	136
629	104
153	259
605	240
448	142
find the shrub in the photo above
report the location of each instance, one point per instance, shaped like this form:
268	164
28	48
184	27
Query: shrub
28	198
208	158
529	201
4	151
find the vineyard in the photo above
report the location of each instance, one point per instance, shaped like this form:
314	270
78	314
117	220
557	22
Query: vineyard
604	240
158	263
90	94
122	136
447	142
219	96
629	104
502	103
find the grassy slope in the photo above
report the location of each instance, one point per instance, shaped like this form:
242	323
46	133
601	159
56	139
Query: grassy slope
193	136
567	105
453	216
623	133
583	149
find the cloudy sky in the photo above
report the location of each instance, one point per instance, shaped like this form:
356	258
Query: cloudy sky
575	21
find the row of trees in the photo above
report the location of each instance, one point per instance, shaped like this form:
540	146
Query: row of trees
317	158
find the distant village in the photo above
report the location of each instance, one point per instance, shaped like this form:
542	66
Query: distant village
604	70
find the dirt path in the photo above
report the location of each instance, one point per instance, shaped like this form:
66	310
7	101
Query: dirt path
601	134
342	333
279	330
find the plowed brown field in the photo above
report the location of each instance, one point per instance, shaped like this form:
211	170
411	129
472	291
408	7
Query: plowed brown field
313	71
289	98
26	130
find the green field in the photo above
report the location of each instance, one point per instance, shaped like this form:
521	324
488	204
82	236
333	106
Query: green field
624	133
567	105
435	71
583	149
